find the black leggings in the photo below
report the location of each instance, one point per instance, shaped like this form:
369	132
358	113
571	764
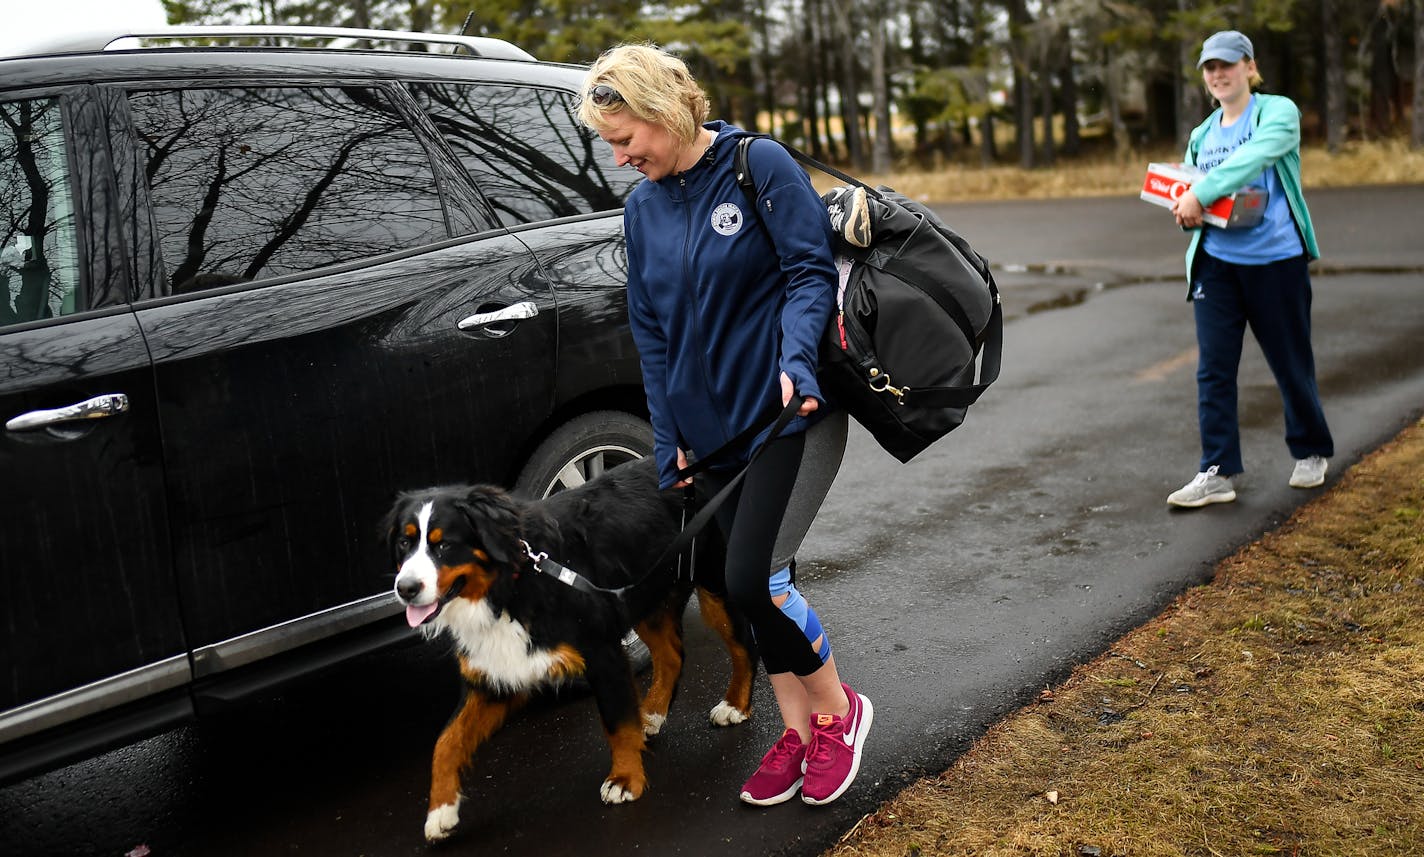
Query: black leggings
750	520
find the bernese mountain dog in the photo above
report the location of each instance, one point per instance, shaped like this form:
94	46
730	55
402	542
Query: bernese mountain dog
483	566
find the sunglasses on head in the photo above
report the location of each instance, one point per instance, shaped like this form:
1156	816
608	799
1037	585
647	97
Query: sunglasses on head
604	95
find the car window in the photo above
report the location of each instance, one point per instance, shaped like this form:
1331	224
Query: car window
39	262
259	182
526	150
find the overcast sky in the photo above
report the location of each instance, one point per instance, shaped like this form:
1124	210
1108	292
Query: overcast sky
22	21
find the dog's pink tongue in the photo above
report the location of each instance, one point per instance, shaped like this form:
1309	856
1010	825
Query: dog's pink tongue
415	615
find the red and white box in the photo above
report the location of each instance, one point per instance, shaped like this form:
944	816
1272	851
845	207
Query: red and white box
1166	182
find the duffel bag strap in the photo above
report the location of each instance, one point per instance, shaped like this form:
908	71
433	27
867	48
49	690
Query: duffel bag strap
993	336
743	170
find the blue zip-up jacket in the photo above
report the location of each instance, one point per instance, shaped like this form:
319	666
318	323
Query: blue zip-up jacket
722	301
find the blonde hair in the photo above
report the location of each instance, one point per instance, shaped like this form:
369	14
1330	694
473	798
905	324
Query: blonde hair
656	86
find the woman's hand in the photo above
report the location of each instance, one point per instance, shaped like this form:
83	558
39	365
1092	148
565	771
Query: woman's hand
1188	210
788	390
682	465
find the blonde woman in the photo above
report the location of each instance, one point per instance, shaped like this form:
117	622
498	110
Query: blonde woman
727	308
1256	276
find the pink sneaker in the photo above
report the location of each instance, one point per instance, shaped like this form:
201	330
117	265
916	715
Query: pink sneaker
779	775
833	756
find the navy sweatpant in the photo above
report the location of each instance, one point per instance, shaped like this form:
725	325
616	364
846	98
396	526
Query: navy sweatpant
1274	300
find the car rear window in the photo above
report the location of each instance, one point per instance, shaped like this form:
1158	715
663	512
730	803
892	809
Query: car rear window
526	150
254	182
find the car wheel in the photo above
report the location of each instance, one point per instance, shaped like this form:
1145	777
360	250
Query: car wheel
578	451
583	448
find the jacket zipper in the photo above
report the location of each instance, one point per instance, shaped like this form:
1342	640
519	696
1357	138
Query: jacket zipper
689	286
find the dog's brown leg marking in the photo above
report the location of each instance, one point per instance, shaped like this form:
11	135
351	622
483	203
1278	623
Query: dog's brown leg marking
627	744
739	689
480	715
660	633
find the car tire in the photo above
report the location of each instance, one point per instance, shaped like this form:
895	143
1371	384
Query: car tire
581	449
578	451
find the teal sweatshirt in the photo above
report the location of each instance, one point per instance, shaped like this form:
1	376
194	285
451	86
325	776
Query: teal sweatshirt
1274	143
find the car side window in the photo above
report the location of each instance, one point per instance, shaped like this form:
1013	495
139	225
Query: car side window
256	182
526	150
39	259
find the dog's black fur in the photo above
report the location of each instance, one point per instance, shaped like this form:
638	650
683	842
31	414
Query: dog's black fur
463	568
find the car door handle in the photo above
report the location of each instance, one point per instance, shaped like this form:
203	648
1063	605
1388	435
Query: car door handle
107	405
516	312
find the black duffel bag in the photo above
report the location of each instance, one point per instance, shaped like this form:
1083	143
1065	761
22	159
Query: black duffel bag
920	331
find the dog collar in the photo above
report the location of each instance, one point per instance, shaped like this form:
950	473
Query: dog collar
564	574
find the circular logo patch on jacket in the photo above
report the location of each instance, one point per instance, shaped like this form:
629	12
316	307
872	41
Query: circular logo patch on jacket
727	218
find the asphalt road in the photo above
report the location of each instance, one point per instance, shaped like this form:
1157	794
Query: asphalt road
953	588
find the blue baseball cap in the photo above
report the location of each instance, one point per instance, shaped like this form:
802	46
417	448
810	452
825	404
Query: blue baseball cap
1227	46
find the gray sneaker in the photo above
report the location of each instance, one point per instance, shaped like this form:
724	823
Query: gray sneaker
850	215
1206	488
1309	472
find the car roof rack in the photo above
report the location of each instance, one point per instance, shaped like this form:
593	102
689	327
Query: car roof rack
104	40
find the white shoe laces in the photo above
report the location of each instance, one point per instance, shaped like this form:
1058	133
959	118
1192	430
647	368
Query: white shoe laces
1202	477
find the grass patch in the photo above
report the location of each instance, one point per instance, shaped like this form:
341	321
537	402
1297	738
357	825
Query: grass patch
1382	162
1277	710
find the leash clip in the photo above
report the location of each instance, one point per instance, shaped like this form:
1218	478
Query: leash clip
879	382
536	557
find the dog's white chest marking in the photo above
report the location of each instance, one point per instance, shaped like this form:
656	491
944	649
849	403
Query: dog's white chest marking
497	646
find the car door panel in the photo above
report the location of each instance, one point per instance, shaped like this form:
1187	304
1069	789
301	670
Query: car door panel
291	424
83	530
85	568
585	260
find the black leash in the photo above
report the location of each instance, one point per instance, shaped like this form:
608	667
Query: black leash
778	422
566	575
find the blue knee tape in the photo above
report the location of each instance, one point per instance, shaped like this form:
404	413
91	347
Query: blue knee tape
799	611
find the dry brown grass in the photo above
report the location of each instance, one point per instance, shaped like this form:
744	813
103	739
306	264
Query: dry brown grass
1277	710
1383	162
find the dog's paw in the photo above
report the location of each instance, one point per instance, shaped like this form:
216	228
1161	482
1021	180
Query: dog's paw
653	724
441	821
614	792
724	714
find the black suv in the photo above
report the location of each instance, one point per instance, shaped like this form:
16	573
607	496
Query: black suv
246	295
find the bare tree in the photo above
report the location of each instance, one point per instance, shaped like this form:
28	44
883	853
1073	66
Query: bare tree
21	123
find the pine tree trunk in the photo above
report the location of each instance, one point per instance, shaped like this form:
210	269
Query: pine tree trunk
766	65
1190	94
814	82
879	86
1046	102
844	38
421	16
1068	100
360	14
1416	136
1121	144
1335	93
1023	84
1383	80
